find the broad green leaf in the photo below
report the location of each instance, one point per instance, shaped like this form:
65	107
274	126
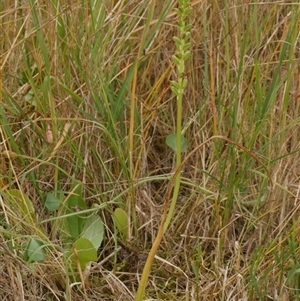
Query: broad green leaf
22	204
121	221
93	230
35	251
82	253
76	199
52	202
171	142
76	204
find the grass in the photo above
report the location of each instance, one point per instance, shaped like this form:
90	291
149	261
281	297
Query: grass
86	106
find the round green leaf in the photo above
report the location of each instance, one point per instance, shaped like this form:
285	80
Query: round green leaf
52	202
35	251
82	252
171	142
93	230
121	221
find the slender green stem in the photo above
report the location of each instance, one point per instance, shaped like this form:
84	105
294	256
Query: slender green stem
182	54
178	162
